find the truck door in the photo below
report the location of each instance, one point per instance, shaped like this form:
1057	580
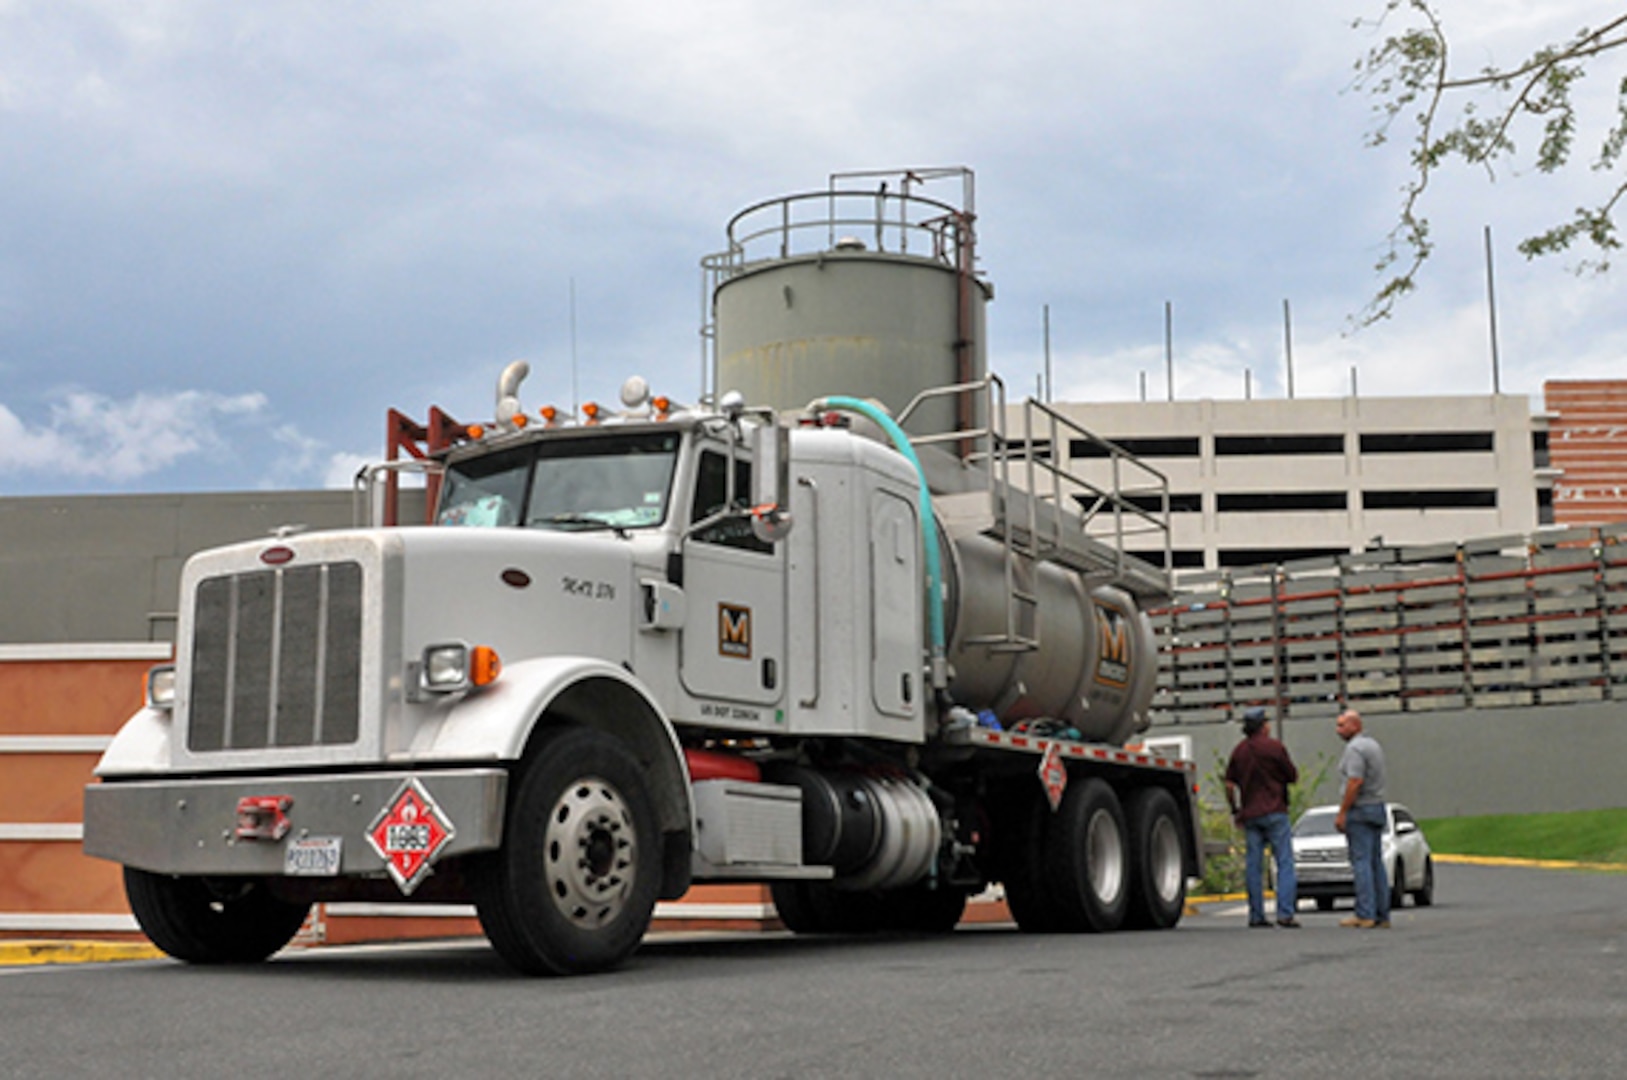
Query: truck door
734	589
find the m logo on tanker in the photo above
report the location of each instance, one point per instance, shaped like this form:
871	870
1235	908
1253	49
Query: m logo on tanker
734	631
1113	647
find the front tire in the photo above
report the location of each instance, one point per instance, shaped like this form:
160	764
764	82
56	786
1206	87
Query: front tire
574	885
211	920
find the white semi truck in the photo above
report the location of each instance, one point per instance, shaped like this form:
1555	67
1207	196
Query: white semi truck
877	669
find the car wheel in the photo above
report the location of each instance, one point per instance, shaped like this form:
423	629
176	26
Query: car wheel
1398	886
1425	896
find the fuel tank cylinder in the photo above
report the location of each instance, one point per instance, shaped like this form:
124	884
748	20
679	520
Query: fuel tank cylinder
1040	644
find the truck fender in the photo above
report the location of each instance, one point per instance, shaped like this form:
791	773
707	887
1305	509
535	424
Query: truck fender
141	746
499	721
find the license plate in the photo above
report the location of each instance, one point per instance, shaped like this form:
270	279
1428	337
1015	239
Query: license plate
312	856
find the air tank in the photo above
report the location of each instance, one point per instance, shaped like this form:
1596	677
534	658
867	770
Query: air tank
867	293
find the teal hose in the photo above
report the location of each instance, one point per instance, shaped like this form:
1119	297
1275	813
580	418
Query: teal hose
929	524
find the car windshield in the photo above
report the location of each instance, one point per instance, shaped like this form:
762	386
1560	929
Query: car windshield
619	481
1317	823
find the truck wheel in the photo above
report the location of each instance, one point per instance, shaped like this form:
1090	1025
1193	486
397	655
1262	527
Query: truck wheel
211	920
574	885
1088	858
1022	824
1324	903
920	909
818	907
1157	862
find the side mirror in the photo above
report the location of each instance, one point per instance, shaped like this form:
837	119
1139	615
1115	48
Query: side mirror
771	482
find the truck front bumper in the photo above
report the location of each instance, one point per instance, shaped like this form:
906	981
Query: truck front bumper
193	826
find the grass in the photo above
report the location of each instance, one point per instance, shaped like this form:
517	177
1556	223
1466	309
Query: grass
1598	836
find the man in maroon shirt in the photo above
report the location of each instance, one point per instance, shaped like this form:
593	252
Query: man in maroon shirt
1257	779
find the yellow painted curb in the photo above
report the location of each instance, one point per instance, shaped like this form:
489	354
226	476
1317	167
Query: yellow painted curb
1542	864
17	953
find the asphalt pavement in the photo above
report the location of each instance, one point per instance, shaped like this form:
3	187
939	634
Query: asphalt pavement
1516	971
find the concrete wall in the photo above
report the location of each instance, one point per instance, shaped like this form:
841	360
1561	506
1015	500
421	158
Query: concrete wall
1470	762
108	567
1509	469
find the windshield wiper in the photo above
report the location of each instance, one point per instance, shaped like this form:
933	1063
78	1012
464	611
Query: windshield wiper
582	520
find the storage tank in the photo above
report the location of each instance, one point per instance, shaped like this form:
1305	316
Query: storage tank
868	293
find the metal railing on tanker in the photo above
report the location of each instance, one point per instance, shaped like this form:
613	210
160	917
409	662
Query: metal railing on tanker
1499	622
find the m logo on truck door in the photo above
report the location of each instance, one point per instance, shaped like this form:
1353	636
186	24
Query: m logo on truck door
1112	647
734	631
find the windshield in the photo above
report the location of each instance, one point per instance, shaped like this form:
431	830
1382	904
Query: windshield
486	491
1317	823
619	481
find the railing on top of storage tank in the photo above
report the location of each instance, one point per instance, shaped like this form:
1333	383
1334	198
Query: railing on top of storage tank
1490	623
820	222
830	222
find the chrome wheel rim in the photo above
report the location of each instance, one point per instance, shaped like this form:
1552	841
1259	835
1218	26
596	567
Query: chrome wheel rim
1164	860
590	853
1105	848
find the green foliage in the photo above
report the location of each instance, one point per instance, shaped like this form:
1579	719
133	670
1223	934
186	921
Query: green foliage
1223	840
1580	836
1408	70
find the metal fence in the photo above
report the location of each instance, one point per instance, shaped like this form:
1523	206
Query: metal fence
1506	621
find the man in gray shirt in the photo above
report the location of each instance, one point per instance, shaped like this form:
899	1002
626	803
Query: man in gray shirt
1361	818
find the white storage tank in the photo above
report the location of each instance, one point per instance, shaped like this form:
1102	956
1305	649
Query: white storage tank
871	294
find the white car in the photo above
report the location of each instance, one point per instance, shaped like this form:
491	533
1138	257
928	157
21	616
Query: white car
1322	859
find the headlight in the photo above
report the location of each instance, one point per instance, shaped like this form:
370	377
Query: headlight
455	666
161	687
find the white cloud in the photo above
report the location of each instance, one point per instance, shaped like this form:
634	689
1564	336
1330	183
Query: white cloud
90	435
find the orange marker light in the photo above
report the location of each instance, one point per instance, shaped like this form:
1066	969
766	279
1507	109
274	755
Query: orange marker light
484	665
591	411
476	431
549	414
663	405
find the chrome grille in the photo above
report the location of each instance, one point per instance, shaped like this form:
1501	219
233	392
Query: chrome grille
276	658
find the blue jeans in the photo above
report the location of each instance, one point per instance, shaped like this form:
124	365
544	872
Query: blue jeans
1364	834
1270	829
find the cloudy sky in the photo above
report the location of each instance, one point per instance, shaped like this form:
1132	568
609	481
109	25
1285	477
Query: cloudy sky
233	235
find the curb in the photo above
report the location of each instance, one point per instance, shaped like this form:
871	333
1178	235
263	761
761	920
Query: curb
1539	864
20	953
